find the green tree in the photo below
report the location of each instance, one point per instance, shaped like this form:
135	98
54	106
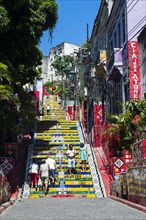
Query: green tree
128	126
63	65
22	23
6	91
23	26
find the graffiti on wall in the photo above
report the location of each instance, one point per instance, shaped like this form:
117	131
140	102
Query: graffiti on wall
136	180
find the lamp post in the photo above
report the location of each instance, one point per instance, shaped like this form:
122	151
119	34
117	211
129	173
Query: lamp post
71	72
52	84
74	87
75	95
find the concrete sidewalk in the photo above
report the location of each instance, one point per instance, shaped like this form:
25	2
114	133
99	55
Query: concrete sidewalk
14	197
128	203
71	209
17	197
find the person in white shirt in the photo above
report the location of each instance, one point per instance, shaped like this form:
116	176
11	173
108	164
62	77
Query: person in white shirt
70	153
33	172
44	175
52	166
48	109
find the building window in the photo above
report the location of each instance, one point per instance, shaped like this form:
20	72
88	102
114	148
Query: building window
123	26
111	46
117	98
119	32
115	40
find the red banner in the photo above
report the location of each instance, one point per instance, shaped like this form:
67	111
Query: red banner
134	70
77	112
45	91
70	112
127	156
97	125
144	149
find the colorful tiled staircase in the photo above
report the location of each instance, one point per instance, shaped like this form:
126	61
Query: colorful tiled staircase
54	134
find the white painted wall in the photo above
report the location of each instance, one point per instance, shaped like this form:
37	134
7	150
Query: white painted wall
136	18
45	73
39	87
60	50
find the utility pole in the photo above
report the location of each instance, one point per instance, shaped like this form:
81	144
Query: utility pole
75	88
87	28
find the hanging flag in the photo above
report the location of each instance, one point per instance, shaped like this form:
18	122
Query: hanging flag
45	91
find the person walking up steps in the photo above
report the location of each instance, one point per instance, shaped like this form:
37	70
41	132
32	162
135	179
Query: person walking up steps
44	175
83	155
33	172
48	109
70	153
52	166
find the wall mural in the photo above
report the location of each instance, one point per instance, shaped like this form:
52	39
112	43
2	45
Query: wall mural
50	90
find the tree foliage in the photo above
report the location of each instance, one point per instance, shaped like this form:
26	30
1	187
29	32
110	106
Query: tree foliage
128	126
23	26
22	23
62	65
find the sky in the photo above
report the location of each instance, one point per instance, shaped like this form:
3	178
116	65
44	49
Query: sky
71	27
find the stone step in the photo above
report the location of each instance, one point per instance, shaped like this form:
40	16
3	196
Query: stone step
59	123
76	176
59	139
74	195
54	134
53	151
69	131
55	157
62	163
73	182
56	146
61	131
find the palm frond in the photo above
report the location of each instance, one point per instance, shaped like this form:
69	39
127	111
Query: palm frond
4	74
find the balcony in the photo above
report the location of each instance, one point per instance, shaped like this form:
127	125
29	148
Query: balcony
101	63
115	60
102	56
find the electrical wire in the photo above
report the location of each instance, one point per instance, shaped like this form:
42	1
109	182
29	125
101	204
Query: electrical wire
139	23
124	44
115	20
130	3
132	7
130	32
